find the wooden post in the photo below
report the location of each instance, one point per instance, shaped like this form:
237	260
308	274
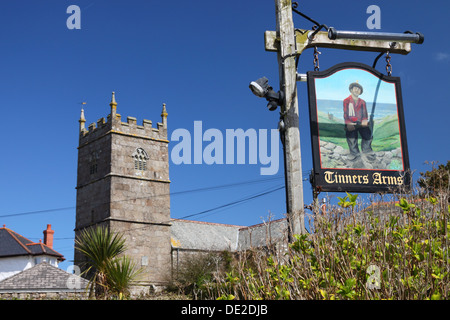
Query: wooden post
289	111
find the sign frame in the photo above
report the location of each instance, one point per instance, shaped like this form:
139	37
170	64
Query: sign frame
375	169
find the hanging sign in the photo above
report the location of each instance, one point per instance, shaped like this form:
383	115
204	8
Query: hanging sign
357	130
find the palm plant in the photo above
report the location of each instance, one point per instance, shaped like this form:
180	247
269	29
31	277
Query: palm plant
121	273
110	274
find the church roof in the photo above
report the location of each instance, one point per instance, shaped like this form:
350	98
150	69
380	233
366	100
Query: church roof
199	235
14	244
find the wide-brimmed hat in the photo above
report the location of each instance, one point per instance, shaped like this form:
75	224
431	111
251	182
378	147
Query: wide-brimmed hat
355	84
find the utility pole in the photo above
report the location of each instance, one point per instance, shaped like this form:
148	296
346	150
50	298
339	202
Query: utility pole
289	114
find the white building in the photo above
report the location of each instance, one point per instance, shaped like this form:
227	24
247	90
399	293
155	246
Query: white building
18	253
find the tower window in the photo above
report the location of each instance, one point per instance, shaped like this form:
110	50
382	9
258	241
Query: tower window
140	159
93	163
93	168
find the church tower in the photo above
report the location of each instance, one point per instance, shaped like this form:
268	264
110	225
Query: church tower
123	184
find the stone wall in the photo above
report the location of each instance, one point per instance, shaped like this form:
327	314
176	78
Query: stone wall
335	156
263	235
43	296
149	246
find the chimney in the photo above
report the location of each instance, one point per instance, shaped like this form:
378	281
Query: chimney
48	236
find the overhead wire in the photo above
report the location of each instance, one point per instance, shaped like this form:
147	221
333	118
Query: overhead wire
236	202
229	204
35	212
146	197
221	207
232	203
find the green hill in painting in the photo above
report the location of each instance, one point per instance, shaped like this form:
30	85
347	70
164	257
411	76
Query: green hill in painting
386	135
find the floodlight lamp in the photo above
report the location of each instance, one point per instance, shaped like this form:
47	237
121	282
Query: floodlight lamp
272	105
275	99
260	87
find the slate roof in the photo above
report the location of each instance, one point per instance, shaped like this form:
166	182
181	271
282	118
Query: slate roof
43	277
13	244
198	235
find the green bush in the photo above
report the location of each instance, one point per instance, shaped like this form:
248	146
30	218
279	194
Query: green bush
352	254
197	271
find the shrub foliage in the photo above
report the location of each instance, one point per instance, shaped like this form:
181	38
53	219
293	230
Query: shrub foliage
401	254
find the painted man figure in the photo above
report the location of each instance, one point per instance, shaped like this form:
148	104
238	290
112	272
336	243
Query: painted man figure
357	120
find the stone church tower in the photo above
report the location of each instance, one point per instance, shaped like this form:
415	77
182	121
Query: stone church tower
123	183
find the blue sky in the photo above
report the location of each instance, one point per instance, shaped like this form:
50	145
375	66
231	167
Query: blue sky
198	57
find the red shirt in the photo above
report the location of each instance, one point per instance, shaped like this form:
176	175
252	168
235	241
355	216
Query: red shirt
359	110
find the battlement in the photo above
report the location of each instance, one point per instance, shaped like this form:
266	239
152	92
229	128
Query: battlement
113	124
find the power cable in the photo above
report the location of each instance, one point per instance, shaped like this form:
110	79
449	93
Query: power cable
35	212
220	210
236	202
232	203
147	197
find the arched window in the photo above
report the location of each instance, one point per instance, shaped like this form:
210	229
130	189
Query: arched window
140	159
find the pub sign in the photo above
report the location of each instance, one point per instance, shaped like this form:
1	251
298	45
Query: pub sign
357	130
